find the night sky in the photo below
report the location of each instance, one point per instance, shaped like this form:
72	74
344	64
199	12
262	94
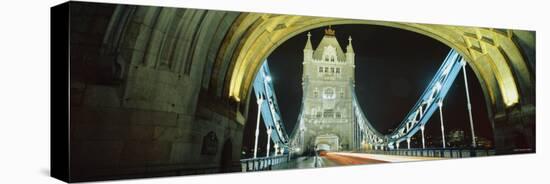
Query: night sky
393	67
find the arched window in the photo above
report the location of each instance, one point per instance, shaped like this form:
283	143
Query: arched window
329	93
209	144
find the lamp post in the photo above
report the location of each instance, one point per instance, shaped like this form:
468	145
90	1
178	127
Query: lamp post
257	133
268	141
423	143
408	143
440	104
469	104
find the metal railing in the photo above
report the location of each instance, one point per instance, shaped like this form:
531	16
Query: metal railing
443	153
263	163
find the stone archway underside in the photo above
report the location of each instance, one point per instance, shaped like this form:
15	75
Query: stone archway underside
225	49
222	51
498	62
492	53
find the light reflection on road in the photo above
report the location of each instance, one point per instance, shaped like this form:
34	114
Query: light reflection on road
328	160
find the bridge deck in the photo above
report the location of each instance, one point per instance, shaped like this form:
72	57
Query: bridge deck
345	158
383	158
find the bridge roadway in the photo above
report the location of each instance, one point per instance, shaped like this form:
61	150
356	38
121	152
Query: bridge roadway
345	158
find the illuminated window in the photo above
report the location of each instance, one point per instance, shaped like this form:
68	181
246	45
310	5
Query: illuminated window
329	93
329	113
316	93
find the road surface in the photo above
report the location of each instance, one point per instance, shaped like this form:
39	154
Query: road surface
344	158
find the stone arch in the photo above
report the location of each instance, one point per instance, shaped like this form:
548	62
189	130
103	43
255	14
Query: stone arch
156	76
189	65
233	45
491	53
503	71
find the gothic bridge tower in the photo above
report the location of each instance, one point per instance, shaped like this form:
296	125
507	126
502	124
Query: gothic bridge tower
327	82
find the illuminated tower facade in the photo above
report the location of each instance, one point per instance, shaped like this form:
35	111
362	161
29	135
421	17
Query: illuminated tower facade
328	82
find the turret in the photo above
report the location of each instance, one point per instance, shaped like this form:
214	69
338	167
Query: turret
308	58
308	50
350	55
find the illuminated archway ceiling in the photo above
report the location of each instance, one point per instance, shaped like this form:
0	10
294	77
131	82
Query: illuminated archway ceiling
492	53
222	51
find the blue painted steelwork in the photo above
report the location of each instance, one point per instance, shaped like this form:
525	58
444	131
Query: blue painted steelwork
370	134
418	115
271	116
428	102
424	107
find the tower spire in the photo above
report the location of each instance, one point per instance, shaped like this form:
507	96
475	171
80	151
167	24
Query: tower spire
349	48
308	43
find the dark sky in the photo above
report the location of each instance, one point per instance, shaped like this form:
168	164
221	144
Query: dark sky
393	67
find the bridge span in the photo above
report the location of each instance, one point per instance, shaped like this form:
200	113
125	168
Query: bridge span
166	91
370	146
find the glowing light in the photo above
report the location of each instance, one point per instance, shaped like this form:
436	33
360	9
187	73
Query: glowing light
510	96
268	78
447	69
438	86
